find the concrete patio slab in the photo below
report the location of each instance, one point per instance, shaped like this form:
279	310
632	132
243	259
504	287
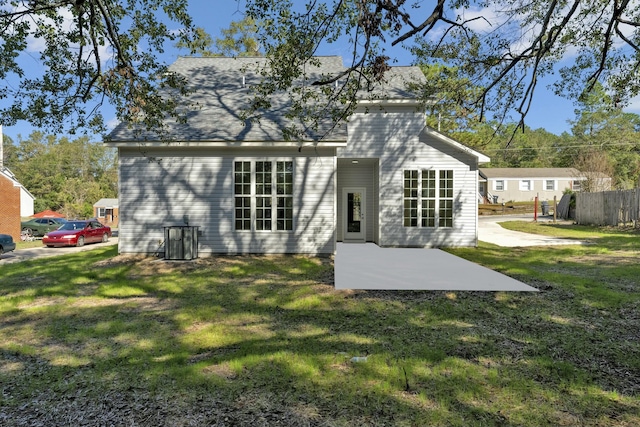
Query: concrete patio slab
368	266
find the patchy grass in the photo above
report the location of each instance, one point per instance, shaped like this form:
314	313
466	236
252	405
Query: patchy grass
36	243
255	340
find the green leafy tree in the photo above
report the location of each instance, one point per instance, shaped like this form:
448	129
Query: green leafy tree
446	93
502	47
240	39
64	175
510	147
607	139
90	51
200	45
94	50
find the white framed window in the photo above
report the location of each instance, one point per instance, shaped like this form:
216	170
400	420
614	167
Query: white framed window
263	192
445	217
499	185
576	185
101	212
428	198
525	185
411	198
550	185
242	192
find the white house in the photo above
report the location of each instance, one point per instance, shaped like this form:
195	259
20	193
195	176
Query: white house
499	185
382	177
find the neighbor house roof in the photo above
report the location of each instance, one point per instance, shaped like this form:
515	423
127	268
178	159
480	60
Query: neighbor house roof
48	214
516	173
106	203
222	92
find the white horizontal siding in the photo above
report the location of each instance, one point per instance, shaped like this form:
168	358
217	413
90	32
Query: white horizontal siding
159	187
399	143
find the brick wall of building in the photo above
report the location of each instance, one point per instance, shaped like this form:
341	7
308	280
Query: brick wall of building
9	208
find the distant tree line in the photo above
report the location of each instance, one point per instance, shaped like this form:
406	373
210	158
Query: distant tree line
64	175
603	139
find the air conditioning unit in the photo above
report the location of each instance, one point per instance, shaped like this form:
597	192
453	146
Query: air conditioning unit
181	242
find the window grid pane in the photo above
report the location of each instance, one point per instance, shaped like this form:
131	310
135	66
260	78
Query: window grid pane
263	178
446	184
284	178
242	178
411	198
445	212
428	213
284	213
263	213
242	187
243	213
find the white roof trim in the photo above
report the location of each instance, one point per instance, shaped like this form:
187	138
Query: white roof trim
368	102
481	157
229	144
4	171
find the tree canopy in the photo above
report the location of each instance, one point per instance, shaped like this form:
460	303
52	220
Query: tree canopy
62	59
502	47
91	51
64	175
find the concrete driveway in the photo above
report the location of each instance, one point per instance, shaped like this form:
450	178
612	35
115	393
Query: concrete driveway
42	251
490	231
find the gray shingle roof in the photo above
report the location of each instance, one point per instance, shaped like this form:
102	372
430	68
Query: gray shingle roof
530	172
106	203
222	92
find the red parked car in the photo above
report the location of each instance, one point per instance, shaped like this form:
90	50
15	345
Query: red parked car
77	233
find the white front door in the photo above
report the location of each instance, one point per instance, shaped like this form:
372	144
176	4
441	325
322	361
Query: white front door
353	210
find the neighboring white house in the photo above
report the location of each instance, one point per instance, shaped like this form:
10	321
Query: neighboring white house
498	185
383	177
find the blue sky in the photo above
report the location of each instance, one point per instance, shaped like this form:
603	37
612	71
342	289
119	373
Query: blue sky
548	110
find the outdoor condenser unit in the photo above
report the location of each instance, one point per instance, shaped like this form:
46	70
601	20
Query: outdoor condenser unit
181	242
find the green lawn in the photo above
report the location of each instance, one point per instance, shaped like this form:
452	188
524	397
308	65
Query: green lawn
100	339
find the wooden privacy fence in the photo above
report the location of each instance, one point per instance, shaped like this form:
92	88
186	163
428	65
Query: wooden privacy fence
608	207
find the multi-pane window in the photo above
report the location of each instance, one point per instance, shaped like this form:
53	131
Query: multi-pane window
446	199
284	195
428	198
410	198
242	191
264	187
264	195
525	185
499	185
550	185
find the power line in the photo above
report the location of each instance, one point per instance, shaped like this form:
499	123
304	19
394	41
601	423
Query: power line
562	147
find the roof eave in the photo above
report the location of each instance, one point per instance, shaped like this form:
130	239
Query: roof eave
461	147
227	144
410	102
